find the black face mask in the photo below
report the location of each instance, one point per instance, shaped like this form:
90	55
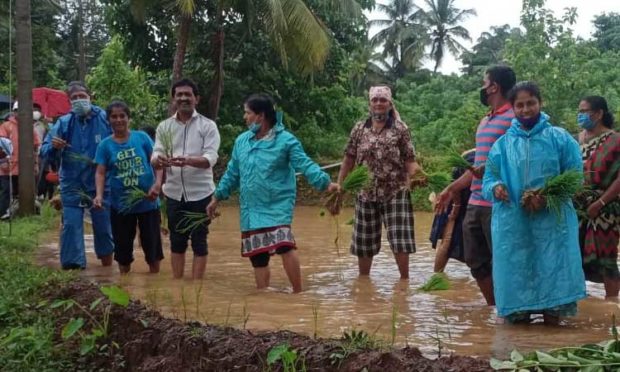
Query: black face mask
484	96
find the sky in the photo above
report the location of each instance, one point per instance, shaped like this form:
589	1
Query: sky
500	12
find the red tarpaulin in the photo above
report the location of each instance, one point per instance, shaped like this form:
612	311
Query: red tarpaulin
53	102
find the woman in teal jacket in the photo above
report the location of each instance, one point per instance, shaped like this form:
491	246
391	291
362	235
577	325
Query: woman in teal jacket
263	165
536	256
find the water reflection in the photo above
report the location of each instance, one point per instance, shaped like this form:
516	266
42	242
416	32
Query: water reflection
336	299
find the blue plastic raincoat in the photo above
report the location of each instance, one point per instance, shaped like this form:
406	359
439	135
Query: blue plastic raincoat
77	176
536	257
264	173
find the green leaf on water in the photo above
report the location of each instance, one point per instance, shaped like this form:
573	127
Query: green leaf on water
72	327
516	356
116	295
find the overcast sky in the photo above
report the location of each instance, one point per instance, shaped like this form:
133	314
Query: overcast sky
500	12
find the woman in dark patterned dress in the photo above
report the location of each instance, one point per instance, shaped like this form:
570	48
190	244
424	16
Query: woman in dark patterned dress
599	225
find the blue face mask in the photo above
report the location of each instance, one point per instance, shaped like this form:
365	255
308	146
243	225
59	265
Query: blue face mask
254	127
81	106
585	121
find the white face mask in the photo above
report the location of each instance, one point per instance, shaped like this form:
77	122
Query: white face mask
36	115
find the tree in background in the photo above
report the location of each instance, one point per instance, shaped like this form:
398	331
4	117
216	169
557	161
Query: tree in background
402	37
488	50
443	20
112	78
607	34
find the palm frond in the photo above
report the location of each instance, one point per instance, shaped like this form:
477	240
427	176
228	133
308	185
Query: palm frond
187	7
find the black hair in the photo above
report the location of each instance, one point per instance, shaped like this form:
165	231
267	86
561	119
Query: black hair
503	76
185	82
150	131
599	103
524	86
117	104
262	104
72	86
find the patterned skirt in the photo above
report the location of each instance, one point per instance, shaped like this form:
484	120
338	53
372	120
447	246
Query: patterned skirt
266	240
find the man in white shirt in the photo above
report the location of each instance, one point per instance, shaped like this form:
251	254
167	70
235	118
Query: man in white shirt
186	144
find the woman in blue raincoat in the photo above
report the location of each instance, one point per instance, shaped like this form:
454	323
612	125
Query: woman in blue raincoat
536	256
263	165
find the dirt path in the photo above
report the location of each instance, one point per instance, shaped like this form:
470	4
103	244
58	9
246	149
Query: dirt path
149	342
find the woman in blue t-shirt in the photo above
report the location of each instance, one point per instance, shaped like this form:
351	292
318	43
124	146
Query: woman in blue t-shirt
135	187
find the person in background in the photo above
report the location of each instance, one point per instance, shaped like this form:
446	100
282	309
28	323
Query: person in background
124	158
599	225
382	142
9	171
186	146
262	166
72	144
536	259
477	242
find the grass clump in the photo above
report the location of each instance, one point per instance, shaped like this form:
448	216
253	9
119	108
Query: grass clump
27	331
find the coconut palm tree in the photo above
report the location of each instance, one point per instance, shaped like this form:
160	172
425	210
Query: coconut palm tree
297	35
23	46
444	19
402	36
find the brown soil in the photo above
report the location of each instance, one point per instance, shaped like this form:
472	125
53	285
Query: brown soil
149	342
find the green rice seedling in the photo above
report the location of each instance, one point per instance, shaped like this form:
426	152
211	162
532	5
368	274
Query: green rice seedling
356	181
226	321
198	293
454	160
163	210
351	221
393	324
133	196
245	315
184	303
79	158
556	191
438	181
437	282
85	198
191	221
166	138
315	320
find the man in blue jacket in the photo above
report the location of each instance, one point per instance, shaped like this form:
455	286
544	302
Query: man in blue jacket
72	143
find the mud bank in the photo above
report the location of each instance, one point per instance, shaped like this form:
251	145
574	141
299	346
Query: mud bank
147	341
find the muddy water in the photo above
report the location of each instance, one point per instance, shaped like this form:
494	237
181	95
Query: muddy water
336	300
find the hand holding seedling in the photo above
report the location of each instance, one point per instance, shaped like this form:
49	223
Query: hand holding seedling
59	143
500	193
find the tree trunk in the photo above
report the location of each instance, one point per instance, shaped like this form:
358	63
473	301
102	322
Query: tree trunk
179	54
217	85
23	39
81	43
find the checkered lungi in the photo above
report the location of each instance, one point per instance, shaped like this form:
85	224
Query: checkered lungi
395	214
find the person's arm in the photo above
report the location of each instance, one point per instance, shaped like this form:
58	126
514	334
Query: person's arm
158	158
227	185
452	191
100	186
303	164
493	188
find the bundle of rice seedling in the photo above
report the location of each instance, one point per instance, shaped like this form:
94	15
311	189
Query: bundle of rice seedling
435	181
163	210
556	191
132	197
437	282
191	221
85	198
79	158
166	137
454	160
354	183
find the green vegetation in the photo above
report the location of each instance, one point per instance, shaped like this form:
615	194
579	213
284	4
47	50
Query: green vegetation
437	282
287	356
27	332
601	357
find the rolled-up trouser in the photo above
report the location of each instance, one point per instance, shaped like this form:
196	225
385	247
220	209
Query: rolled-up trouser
72	249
